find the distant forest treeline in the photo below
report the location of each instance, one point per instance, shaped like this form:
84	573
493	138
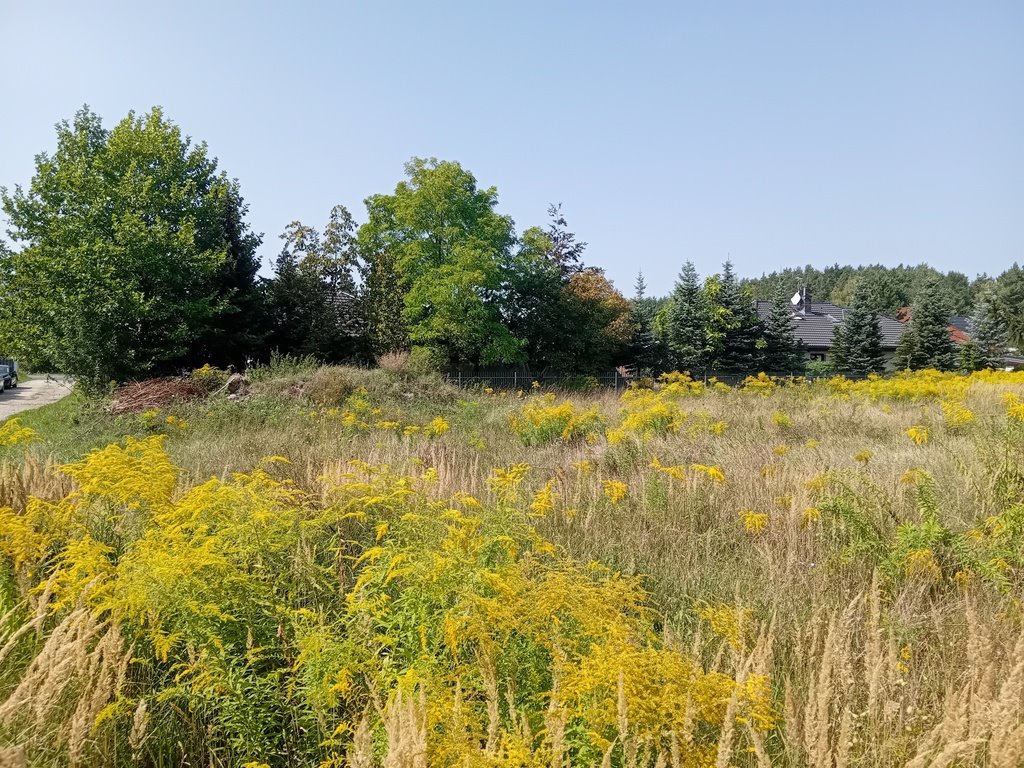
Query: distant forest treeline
891	287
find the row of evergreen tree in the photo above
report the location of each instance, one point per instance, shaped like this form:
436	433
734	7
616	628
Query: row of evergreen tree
714	326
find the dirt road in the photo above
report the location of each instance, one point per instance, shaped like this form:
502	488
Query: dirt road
33	393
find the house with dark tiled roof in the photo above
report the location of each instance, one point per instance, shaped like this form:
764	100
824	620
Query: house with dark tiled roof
814	324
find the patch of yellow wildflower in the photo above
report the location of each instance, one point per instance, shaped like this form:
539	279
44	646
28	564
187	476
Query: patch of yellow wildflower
863	456
956	415
753	522
647	413
541	420
711	472
922	563
506	482
1014	407
437	427
544	500
732	623
677	472
918	434
762	384
614	490
13	433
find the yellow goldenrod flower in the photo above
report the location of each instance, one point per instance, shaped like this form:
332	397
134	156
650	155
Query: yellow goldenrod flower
714	473
753	522
918	434
615	490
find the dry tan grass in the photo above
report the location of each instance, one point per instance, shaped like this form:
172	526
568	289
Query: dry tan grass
867	670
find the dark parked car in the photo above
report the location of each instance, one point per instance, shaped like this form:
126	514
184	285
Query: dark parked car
8	377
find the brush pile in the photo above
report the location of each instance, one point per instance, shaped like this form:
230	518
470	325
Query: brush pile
139	396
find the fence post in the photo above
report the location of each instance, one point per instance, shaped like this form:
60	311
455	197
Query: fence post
460	379
616	379
515	379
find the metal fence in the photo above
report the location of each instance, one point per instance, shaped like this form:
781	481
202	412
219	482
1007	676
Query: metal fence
516	379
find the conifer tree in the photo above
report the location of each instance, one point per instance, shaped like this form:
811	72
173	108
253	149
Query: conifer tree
687	322
740	324
781	352
989	336
645	348
857	343
926	343
906	349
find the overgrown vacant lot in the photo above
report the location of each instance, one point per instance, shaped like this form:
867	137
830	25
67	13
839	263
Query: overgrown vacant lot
367	568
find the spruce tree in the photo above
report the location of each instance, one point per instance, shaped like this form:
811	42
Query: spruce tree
932	346
781	351
857	343
645	348
687	322
989	336
742	327
906	350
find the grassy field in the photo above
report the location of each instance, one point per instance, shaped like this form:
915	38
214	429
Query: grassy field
366	568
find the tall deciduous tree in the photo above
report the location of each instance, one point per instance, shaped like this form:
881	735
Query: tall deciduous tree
534	302
565	251
315	308
135	252
597	323
439	244
857	342
569	317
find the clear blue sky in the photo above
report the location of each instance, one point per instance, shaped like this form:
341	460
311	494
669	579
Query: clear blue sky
777	133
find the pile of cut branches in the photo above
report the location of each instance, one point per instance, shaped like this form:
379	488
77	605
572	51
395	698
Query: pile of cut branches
139	396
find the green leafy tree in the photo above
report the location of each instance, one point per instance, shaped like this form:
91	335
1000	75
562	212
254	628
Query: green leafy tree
535	298
569	317
439	244
564	250
315	306
600	322
781	352
857	342
687	322
135	254
989	337
927	343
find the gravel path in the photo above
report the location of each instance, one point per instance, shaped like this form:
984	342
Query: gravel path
33	393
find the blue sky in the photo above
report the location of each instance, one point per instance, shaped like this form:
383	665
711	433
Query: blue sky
772	133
